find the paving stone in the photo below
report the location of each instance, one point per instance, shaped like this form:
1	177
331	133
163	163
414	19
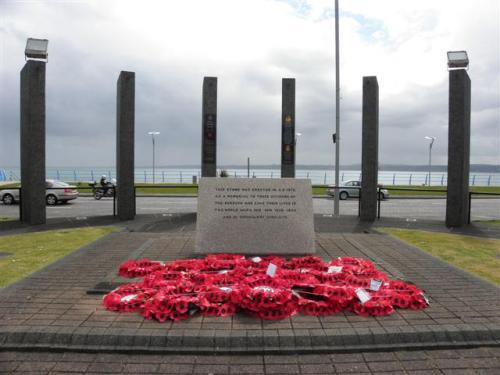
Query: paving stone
140	368
211	369
351	368
321	368
385	366
176	368
102	367
72	366
246	369
284	368
35	366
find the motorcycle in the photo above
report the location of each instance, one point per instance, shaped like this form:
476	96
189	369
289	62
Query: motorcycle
102	191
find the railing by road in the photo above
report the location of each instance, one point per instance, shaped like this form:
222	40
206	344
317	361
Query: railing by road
415	178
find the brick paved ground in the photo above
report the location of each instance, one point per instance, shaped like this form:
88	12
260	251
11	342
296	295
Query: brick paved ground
51	310
453	362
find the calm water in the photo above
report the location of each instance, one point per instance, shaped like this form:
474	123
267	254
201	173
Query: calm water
185	175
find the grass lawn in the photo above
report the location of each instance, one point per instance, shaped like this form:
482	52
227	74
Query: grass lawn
415	190
495	222
32	251
6	219
479	256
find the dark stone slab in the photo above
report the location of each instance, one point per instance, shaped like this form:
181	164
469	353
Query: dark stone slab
125	122
209	128
33	143
288	139
369	155
457	198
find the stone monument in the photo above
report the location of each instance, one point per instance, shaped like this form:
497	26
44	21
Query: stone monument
255	216
457	197
209	128
33	143
125	120
369	156
288	127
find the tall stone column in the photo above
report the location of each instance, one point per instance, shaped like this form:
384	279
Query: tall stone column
33	142
209	128
288	127
457	198
125	120
369	153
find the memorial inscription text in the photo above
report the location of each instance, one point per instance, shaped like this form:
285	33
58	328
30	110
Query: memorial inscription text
255	203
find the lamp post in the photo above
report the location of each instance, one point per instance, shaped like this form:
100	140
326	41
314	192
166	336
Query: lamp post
297	135
336	208
432	139
153	139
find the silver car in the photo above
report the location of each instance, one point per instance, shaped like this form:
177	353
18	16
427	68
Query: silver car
350	189
57	191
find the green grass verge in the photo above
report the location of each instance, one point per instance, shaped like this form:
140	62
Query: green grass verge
190	189
33	251
479	256
416	190
494	222
2	219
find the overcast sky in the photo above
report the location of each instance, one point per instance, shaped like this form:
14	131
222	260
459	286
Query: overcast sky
250	45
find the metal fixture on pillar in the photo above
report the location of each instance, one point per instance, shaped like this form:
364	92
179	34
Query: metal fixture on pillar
432	139
152	134
458	60
36	49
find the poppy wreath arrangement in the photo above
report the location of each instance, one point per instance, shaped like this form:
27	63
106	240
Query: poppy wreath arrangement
269	288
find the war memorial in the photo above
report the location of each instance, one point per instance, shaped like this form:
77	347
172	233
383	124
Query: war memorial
254	280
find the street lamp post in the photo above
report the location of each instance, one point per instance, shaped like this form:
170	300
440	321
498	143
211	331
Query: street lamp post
336	208
153	139
432	139
297	135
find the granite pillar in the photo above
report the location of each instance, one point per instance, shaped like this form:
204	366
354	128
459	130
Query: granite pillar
288	127
125	120
209	128
457	198
33	143
369	152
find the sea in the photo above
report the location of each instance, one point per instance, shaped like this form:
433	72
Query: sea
317	176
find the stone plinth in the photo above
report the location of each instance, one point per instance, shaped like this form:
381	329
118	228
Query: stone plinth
255	216
33	143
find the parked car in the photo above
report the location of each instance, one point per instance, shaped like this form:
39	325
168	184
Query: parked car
57	191
350	189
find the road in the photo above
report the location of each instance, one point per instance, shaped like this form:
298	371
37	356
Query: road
482	209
